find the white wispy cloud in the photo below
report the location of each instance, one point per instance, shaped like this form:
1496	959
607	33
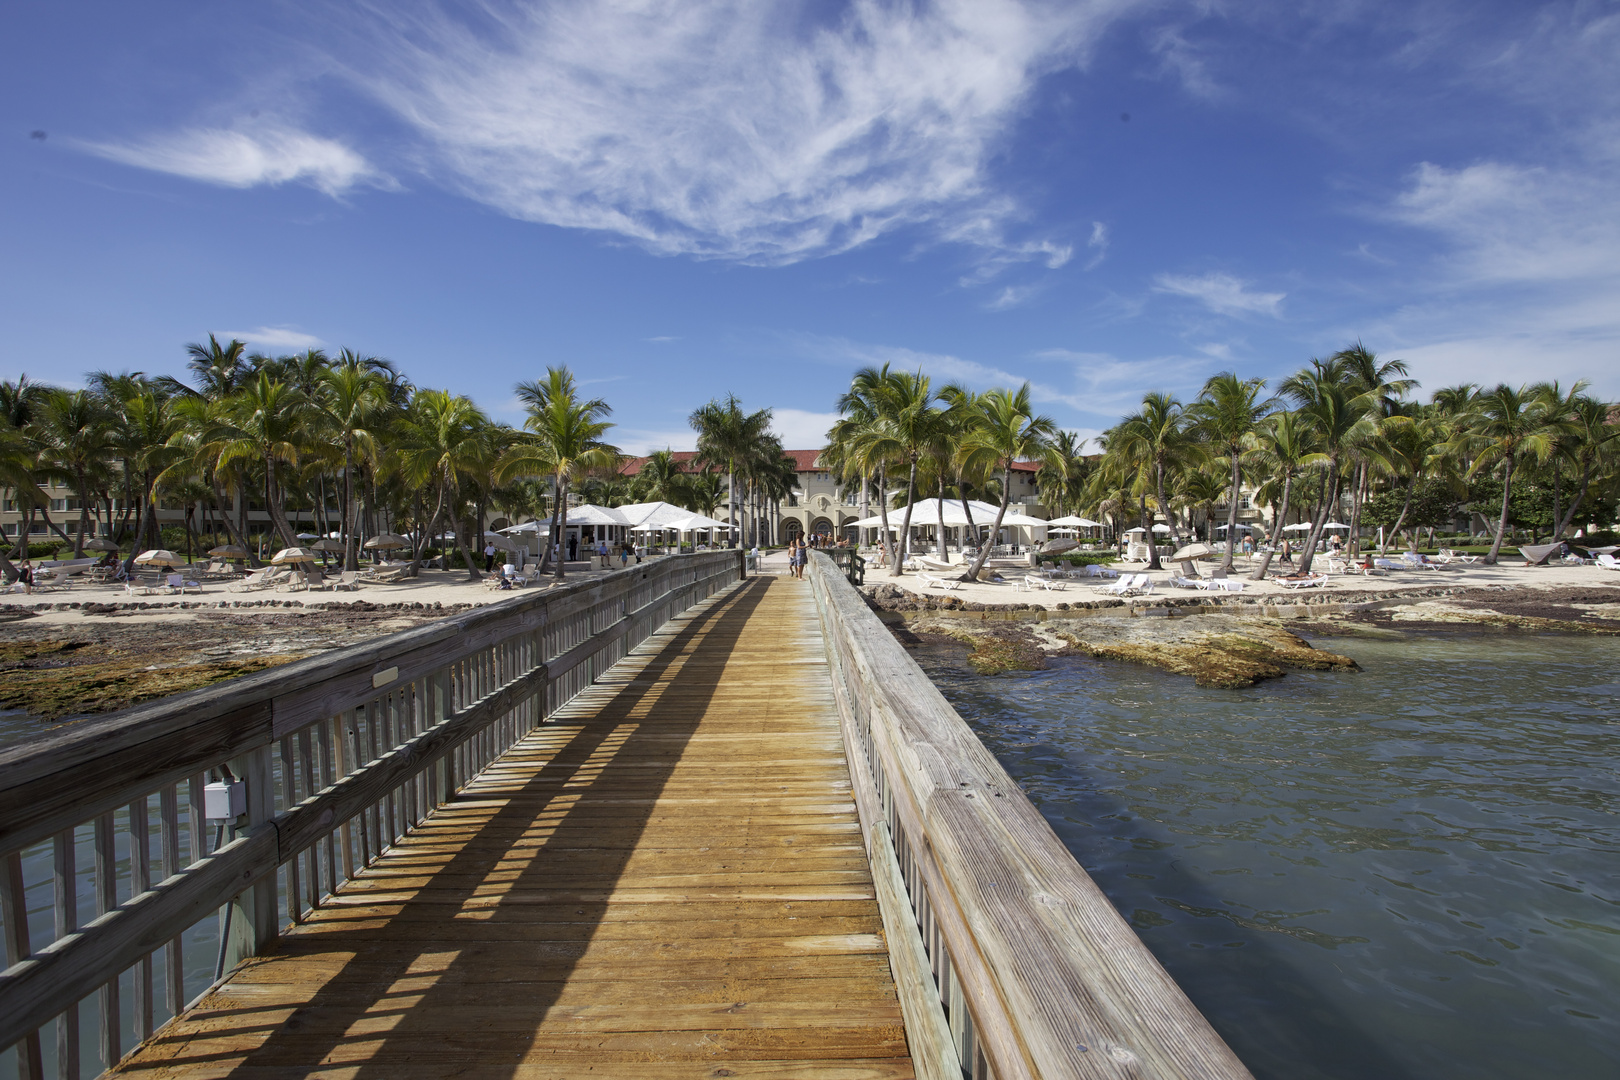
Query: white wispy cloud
1012	296
274	337
241	159
640	442
800	429
1098	243
724	128
1221	293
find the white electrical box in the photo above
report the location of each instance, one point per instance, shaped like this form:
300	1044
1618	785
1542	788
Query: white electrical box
224	800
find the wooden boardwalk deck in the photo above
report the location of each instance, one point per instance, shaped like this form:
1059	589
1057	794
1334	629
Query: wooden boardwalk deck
667	880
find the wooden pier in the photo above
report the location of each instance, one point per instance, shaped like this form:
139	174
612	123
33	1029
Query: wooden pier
665	878
672	822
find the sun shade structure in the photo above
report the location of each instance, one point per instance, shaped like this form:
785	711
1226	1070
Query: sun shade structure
926	512
159	557
386	540
1076	522
331	547
1193	551
1156	528
97	543
229	551
291	555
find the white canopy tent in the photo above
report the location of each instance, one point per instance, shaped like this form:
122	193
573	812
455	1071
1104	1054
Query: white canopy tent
1160	528
925	513
1075	521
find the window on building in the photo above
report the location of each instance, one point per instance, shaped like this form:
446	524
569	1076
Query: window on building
58	505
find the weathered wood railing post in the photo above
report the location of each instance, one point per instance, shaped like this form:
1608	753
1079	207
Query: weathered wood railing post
1010	962
369	741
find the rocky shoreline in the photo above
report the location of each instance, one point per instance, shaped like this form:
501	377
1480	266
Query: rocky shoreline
82	659
1228	642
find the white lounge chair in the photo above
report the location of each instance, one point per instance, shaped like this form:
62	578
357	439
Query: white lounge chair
1188	582
180	583
1222	585
265	578
1119	588
1308	581
1607	561
933	581
1036	581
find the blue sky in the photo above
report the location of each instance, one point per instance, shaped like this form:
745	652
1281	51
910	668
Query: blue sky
686	199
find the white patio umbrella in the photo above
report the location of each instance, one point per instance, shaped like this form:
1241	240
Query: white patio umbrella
308	536
1077	522
159	557
1241	525
1298	526
502	543
1335	525
1156	528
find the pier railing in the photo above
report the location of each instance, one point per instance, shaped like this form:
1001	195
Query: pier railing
1010	962
123	835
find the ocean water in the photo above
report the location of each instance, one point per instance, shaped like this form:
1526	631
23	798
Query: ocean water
1408	872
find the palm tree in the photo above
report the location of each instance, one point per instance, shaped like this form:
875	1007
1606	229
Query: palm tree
262	423
1062	476
1010	430
854	443
75	431
1588	444
1156	440
726	437
1283	445
352	405
1385	385
1504	427
440	440
1226	414
663	479
565	440
1341	422
906	425
145	439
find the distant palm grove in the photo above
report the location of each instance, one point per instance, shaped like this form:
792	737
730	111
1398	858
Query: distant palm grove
1343	435
248	444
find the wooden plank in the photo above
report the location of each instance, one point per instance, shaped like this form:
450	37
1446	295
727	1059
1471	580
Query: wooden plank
672	879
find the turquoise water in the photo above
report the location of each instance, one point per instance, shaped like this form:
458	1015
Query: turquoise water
1412	871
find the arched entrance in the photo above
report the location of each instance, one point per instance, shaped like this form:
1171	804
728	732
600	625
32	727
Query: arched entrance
792	529
822	527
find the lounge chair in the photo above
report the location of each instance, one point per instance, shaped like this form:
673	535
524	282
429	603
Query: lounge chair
139	586
265	578
1607	561
1182	582
1035	581
52	582
1128	585
1303	581
933	581
1222	585
349	579
180	583
1417	562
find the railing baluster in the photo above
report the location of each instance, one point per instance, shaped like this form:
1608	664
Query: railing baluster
106	900
140	871
66	889
174	967
14	911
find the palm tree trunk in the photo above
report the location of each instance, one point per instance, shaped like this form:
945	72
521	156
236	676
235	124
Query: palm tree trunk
1400	518
1501	525
1281	519
278	513
905	525
995	528
731	503
1231	512
1575	504
561	521
883	512
1329	500
1363	479
944	551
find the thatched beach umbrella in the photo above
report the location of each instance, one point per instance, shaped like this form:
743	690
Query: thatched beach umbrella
159	557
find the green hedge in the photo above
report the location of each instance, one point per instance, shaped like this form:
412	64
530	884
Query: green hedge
1083	558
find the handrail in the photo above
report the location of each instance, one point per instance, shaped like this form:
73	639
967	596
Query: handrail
1033	972
339	755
